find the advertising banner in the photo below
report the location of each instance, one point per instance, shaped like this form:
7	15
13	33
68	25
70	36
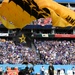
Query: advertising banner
4	34
65	35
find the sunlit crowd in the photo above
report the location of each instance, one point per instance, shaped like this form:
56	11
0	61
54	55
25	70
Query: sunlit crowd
15	54
42	21
59	52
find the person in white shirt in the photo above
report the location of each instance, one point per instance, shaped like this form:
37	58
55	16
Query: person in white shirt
73	70
42	70
0	70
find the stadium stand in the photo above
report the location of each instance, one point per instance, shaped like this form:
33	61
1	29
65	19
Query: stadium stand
43	49
43	43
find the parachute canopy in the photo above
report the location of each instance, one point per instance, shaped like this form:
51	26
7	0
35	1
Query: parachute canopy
17	14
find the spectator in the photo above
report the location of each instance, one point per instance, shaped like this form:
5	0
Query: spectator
51	69
31	70
42	70
73	70
0	70
26	70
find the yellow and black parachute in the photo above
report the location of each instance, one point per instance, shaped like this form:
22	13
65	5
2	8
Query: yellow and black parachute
19	13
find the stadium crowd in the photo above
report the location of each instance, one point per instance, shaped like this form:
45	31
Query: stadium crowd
15	54
42	21
59	52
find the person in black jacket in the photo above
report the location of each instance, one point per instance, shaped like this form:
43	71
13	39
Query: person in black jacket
26	71
51	69
0	70
31	70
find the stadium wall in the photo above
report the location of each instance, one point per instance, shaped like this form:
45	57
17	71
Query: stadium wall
37	67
